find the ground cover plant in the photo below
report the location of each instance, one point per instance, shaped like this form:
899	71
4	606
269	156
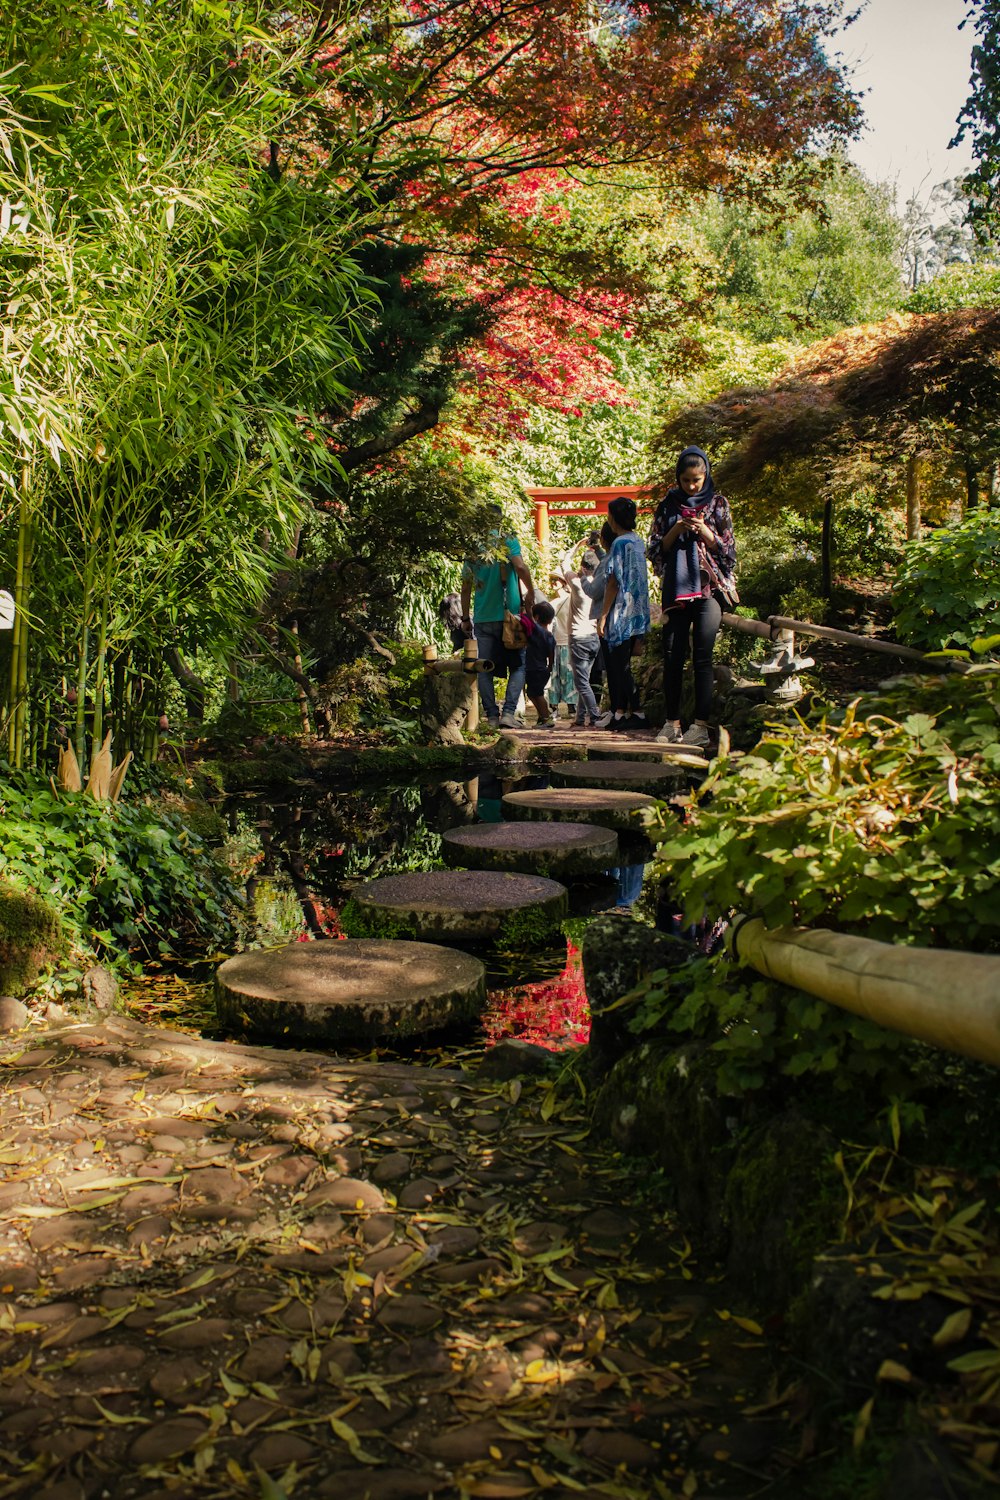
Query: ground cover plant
130	881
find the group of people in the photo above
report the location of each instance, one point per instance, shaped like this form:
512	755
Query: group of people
601	610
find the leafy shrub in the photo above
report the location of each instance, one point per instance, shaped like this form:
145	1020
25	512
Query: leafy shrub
761	1030
947	590
885	824
127	879
867	536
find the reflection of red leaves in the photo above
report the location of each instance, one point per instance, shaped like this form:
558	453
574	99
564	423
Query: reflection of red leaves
552	1013
328	918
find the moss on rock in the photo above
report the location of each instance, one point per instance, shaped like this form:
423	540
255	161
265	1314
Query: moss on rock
31	937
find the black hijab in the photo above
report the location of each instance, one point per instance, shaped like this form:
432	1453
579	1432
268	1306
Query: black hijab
708	488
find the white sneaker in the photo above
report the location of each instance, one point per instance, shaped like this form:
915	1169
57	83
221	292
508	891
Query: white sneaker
696	735
669	734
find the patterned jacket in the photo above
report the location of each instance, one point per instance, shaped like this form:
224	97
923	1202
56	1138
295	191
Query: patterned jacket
718	569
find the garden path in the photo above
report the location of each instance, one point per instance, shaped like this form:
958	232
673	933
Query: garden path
233	1271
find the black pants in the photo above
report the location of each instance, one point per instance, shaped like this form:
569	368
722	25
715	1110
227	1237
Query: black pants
701	619
621	685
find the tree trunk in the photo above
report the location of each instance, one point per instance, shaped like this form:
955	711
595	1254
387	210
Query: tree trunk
194	690
913	497
827	547
971	484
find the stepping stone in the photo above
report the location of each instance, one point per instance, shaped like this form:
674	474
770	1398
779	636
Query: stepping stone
361	991
556	849
666	755
463	906
624	775
609	809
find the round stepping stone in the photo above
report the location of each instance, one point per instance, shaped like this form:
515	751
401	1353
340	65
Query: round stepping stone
666	755
360	991
467	906
624	775
609	809
556	849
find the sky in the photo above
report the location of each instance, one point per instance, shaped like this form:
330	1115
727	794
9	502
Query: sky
915	62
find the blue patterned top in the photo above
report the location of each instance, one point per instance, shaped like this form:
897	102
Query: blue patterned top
629	615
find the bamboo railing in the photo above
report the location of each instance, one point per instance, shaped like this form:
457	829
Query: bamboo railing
936	995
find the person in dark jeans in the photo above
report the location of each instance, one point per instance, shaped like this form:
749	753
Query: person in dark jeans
497	574
539	654
692	550
624	620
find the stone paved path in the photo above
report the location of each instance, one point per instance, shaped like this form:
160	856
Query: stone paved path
234	1271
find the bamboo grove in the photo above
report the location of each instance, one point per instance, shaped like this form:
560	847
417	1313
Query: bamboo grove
173	318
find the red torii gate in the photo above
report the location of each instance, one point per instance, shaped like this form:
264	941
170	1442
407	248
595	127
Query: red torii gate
550	501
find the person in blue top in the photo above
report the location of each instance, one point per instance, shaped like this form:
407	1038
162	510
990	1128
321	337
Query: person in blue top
624	621
497	575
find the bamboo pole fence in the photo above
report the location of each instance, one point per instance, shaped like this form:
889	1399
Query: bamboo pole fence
949	999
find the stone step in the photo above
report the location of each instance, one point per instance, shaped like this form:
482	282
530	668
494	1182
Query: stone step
558	850
608	809
649	750
462	906
623	775
357	992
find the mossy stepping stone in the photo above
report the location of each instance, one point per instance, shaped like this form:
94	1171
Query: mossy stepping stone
462	906
609	809
350	991
624	775
666	755
554	849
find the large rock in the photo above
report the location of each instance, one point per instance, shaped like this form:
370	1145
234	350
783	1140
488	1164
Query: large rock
350	991
618	952
30	937
558	850
444	706
467	906
618	810
622	775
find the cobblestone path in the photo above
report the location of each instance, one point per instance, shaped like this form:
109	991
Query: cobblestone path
233	1271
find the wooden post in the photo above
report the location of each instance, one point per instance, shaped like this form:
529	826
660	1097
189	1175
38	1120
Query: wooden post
470	653
913	497
827	546
542	531
430	657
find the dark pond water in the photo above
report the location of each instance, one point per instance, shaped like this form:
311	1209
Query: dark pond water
297	860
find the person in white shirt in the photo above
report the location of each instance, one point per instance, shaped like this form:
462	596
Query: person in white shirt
584	643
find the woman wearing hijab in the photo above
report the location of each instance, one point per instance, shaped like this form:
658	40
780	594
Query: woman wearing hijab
691	548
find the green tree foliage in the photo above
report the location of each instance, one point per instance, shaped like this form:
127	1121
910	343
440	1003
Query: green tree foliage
979	122
188	319
947	590
810	272
958	286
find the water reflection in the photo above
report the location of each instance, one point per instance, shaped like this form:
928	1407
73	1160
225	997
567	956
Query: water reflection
300	861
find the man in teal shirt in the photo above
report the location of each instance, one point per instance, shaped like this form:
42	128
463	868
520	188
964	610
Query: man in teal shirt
483	573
